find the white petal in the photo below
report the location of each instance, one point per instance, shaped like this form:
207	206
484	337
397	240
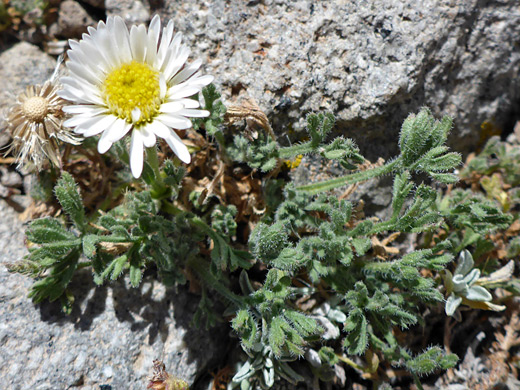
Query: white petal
176	62
121	131
138	41
81	85
154	30
122	39
186	73
202	80
103	144
106	42
193	113
166	38
163	88
136	154
84	110
95	126
175	121
172	107
183	92
82	90
72	44
136	115
148	136
189	103
172	139
84	72
113	134
159	129
94	56
175	143
172	51
79	120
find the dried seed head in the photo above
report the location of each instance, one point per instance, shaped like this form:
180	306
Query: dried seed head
35	109
35	123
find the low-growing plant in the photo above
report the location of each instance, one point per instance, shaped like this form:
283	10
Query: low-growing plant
302	271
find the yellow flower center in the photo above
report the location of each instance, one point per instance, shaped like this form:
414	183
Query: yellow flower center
133	86
35	108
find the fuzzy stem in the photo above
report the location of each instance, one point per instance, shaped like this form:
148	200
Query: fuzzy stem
327	185
158	186
295	150
417	382
170	208
351	363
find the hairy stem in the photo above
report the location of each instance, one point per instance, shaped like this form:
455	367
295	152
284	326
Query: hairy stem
327	185
159	189
295	150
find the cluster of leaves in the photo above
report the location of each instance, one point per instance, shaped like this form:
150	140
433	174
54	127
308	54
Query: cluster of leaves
309	246
126	240
263	152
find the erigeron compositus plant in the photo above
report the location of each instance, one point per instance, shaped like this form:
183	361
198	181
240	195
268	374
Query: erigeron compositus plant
136	82
302	274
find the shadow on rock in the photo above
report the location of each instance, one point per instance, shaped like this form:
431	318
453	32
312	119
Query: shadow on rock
152	314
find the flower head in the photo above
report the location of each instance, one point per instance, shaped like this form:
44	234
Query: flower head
35	123
132	81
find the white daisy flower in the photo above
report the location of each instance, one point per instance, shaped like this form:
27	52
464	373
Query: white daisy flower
136	81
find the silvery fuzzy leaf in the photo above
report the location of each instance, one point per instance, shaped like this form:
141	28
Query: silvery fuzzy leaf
337	316
322	310
459	284
268	376
313	358
472	277
452	303
477	293
330	331
448	280
245	372
465	263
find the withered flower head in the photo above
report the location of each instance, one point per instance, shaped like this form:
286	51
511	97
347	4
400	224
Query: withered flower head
35	123
161	380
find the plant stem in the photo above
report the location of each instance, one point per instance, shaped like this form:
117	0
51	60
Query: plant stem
169	207
294	150
327	185
158	186
417	381
351	363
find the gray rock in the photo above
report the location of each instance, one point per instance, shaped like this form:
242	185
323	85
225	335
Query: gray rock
9	178
73	20
21	65
132	11
371	63
111	338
